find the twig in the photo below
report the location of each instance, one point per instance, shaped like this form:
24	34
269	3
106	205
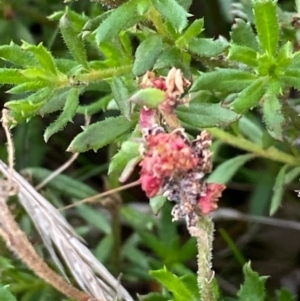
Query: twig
64	166
101	195
57	171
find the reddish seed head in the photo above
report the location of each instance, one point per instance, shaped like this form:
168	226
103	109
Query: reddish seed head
208	203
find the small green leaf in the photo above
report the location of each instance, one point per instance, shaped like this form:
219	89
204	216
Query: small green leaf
285	295
150	97
146	54
128	152
242	34
157	203
30	104
43	56
278	190
272	111
6	295
243	54
225	171
121	96
201	115
28	87
192	31
66	116
223	80
37	74
73	41
97	135
173	284
142	7
65	185
285	55
11	76
251	129
14	54
253	287
291	175
173	12
207	47
123	17
250	97
291	78
266	23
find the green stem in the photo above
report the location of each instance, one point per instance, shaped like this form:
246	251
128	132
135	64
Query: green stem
204	236
269	153
96	75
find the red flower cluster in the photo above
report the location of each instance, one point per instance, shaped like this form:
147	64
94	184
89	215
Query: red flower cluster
167	155
175	167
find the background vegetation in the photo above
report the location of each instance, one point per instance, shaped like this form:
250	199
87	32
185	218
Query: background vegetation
251	69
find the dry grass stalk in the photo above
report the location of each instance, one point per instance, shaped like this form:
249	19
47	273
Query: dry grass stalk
55	230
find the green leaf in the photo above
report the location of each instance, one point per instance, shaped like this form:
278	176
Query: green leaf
173	284
27	107
250	97
278	190
14	54
157	203
28	87
272	112
285	55
129	151
242	34
172	12
149	97
207	47
223	80
95	218
225	171
66	185
291	78
37	74
253	287
11	76
66	116
73	41
146	54
250	129
266	23
43	56
121	96
285	295
201	115
243	54
154	297
6	295
121	18
291	175
192	31
97	135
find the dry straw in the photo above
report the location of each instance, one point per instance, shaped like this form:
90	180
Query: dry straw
92	277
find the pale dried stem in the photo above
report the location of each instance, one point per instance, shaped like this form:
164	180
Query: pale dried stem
101	195
17	242
64	166
57	171
15	238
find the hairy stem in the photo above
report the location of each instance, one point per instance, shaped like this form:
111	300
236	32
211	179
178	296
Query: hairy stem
203	232
269	153
18	243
